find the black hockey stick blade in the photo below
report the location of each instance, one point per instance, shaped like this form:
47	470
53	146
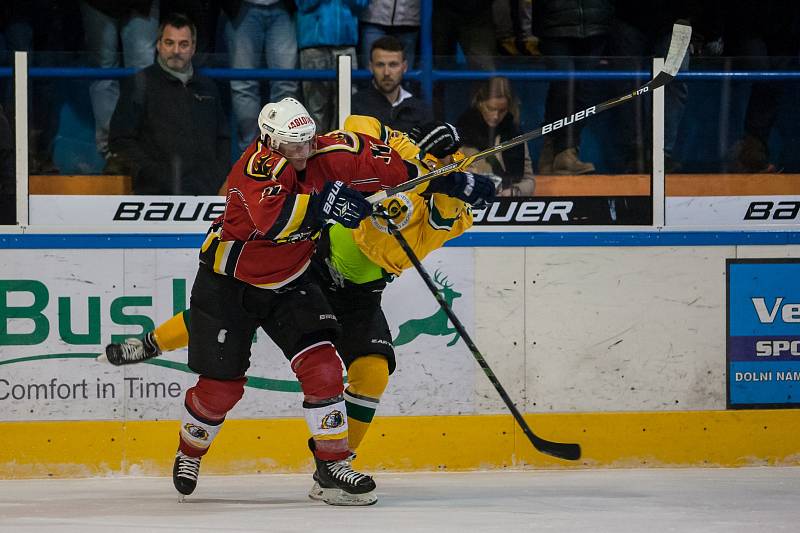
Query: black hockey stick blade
681	35
562	450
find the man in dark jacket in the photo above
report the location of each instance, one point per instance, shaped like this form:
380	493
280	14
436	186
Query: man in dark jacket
169	127
385	98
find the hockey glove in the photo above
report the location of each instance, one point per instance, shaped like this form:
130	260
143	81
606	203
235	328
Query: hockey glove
475	189
438	139
341	204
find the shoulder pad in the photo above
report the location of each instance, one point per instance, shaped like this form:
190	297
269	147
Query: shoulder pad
265	164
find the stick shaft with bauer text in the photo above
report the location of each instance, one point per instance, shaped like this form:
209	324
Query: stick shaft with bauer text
681	35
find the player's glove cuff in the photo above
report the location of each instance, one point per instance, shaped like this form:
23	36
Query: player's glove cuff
341	204
475	189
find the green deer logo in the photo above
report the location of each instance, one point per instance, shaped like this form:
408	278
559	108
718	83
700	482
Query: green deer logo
437	324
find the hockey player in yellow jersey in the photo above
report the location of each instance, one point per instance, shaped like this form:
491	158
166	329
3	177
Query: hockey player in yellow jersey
352	266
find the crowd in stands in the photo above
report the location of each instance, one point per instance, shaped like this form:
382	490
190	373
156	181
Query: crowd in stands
384	37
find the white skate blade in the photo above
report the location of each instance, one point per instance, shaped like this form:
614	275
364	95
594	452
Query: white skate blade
102	358
340	497
316	492
181	498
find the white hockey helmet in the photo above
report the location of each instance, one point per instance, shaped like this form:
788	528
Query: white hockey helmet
286	121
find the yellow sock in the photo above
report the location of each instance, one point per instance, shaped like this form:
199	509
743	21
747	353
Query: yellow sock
174	333
367	378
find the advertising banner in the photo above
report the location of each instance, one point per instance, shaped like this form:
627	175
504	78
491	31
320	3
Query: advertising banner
732	210
763	333
566	211
112	212
58	309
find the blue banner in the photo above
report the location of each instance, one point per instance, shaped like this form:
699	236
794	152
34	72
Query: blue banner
763	333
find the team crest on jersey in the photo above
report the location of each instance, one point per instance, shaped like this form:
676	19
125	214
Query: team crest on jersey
334	419
343	137
398	208
196	431
265	164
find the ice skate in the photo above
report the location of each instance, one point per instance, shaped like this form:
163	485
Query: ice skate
184	473
131	351
336	483
339	484
316	491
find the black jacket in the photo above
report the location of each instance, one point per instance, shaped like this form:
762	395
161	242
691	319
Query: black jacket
174	137
409	113
572	18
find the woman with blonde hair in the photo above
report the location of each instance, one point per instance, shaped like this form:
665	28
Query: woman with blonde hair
493	118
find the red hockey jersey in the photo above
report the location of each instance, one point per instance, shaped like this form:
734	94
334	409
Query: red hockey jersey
264	236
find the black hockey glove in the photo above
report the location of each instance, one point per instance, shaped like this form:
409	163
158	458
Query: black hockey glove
341	204
475	189
439	139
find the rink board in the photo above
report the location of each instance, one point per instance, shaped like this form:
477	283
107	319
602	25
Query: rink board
615	341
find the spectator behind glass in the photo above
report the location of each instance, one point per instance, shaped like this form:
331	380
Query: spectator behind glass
513	20
642	31
385	98
467	25
8	183
48	27
134	23
493	118
326	30
205	16
169	127
567	29
399	18
258	29
767	35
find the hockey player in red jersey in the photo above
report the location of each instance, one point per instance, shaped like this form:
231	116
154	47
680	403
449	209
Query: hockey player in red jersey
252	274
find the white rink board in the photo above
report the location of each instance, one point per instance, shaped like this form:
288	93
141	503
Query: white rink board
565	329
606	328
431	377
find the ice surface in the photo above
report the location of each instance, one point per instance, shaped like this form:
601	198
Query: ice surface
652	500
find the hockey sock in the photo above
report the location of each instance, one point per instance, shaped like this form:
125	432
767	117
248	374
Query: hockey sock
319	371
174	333
205	408
367	378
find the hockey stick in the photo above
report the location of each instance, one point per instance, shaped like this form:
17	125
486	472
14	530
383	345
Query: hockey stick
681	35
561	450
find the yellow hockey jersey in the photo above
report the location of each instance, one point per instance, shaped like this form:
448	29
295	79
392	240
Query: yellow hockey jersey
427	221
373	127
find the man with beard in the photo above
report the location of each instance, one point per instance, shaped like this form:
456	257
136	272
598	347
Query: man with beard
169	130
385	99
